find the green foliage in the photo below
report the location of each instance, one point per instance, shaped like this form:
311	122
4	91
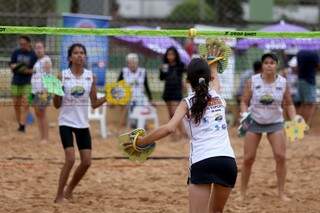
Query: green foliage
227	11
190	10
286	2
27	6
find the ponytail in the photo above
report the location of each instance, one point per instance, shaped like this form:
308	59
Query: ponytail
200	101
198	75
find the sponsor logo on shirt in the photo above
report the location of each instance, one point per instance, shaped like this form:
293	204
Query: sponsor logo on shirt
215	101
266	99
77	91
218	118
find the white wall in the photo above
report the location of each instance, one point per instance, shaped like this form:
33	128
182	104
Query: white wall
308	14
146	8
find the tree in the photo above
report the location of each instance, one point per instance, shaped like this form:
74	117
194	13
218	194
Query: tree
189	10
227	11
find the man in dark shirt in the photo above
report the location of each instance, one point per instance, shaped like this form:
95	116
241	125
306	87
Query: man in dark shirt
21	64
308	63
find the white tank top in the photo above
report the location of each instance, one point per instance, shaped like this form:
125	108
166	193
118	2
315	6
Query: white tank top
39	72
74	108
136	81
210	137
266	100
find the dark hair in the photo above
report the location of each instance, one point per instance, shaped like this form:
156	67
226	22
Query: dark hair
71	48
257	65
165	56
198	75
269	55
26	38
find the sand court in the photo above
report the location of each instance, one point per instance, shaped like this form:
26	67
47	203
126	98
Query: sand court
30	170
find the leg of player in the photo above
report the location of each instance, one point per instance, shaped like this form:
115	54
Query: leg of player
308	110
278	143
17	109
218	199
42	123
199	195
25	110
251	143
85	156
65	172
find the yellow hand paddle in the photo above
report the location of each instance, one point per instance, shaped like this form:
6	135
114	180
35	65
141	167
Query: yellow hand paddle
118	93
295	129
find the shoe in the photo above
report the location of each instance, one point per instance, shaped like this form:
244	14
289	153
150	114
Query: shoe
22	128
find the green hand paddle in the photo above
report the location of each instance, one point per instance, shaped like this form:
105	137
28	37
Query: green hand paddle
53	85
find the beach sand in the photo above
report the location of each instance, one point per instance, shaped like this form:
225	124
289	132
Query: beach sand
29	174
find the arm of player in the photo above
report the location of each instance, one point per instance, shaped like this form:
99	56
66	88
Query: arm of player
214	77
288	104
57	100
215	51
147	88
13	61
95	101
166	129
246	97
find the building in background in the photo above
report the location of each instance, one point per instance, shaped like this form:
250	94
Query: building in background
306	11
146	8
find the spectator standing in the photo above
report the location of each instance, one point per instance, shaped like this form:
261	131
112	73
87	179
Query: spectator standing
171	72
308	63
21	65
41	98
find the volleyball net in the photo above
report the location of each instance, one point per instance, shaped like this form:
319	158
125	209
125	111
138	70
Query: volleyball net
110	50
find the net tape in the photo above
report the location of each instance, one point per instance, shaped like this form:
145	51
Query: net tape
156	32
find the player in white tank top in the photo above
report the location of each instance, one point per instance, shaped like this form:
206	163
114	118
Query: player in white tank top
213	127
41	98
205	112
264	96
266	101
79	85
74	106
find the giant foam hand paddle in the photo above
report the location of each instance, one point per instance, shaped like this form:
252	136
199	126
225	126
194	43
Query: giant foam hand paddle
118	93
215	51
53	85
128	145
295	129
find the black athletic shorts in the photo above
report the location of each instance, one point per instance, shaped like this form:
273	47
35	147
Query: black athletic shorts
220	170
83	137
